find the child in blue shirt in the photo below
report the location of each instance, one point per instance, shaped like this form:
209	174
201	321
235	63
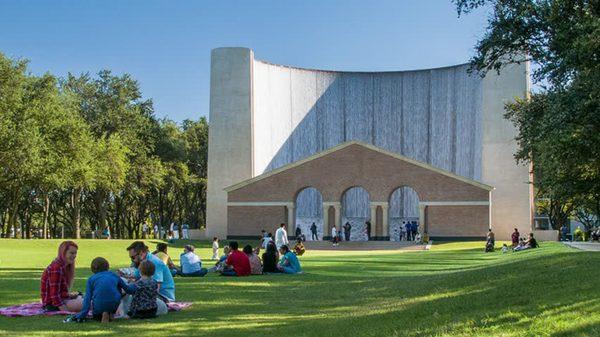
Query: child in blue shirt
102	292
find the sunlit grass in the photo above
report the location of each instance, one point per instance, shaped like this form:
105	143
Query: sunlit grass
453	290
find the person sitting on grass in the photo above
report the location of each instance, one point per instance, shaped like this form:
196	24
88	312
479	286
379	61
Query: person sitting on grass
256	267
161	253
299	248
144	299
288	263
239	262
220	264
191	265
58	278
138	252
102	292
270	258
530	243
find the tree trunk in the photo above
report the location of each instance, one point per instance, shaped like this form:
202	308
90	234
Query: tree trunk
76	211
45	215
13	213
99	199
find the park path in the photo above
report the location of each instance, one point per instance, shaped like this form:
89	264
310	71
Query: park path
587	246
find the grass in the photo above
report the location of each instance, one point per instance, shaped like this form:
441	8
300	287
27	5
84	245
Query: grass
452	290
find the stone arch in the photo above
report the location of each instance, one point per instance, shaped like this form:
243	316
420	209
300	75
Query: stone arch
404	208
356	209
309	209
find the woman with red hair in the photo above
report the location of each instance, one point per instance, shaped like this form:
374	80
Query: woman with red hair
58	278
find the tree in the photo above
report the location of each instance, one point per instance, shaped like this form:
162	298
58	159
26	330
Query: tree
559	127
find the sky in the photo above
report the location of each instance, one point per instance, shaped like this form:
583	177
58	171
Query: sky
166	45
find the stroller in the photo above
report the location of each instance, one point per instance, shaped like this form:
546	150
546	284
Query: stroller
489	246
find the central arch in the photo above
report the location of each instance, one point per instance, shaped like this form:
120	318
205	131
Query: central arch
309	210
356	210
404	208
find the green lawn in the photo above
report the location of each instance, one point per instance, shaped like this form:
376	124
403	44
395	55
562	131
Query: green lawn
453	290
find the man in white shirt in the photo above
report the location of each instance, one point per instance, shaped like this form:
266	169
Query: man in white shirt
334	236
281	237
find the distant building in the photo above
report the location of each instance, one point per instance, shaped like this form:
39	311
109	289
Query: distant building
268	121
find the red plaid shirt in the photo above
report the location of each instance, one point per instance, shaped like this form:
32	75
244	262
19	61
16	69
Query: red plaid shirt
54	284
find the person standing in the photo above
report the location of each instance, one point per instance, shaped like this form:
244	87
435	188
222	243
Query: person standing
156	232
347	229
414	227
299	234
281	237
564	230
215	248
185	229
514	237
106	233
145	230
175	231
334	236
491	237
368	223
313	231
171	230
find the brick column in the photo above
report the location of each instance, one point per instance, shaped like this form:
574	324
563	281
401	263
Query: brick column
385	216
422	223
373	220
291	225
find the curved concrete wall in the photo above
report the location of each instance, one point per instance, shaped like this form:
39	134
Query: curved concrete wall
428	115
264	116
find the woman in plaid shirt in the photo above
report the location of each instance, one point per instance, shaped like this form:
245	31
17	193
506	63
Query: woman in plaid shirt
58	278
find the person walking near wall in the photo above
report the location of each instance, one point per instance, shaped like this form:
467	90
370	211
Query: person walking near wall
334	236
281	237
347	229
368	223
313	230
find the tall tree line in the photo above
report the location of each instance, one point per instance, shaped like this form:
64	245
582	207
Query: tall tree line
559	126
83	153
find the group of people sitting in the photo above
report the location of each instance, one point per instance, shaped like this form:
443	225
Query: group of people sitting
190	263
517	242
141	291
144	289
247	262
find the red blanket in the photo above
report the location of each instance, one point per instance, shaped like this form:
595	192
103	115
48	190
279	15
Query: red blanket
35	309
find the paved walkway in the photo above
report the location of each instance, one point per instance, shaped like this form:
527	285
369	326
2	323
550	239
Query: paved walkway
589	246
363	245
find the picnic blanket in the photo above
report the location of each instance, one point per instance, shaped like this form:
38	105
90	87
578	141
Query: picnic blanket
35	309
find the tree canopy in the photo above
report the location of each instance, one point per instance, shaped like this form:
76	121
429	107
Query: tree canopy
86	152
559	126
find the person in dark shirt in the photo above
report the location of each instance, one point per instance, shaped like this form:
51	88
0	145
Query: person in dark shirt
347	229
313	230
270	259
515	238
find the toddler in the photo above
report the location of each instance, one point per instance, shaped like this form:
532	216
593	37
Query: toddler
143	302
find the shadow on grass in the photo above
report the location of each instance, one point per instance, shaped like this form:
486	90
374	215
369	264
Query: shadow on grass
529	294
